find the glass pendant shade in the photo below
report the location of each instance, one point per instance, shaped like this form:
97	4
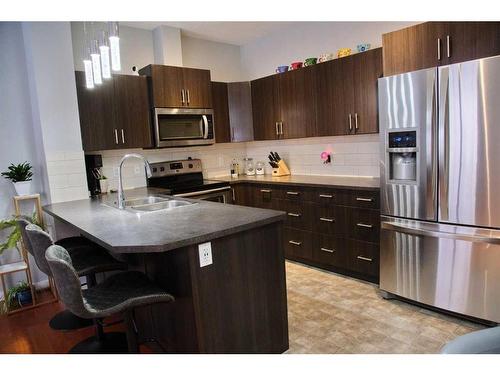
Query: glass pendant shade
89	76
105	59
114	44
96	62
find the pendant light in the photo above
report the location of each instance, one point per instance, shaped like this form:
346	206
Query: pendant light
96	61
87	63
114	44
104	49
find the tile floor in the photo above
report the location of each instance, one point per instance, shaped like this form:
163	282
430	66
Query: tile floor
329	313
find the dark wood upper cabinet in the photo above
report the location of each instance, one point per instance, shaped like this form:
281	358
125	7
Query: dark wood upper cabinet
367	69
433	44
132	111
172	86
240	111
266	108
297	103
221	112
115	114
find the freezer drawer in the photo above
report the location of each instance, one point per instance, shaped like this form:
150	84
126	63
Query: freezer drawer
450	267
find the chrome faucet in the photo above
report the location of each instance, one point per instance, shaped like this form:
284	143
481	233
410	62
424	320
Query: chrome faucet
147	167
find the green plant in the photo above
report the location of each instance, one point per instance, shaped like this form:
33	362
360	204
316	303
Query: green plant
14	236
19	172
11	298
103	177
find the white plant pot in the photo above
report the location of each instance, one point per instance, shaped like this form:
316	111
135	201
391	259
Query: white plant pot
22	187
104	186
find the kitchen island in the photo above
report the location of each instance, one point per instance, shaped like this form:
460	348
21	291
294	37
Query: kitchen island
236	304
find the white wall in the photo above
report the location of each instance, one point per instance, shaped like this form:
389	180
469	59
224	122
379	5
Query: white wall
309	39
136	47
222	59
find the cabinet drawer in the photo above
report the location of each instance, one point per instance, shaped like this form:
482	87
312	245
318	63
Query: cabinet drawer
364	224
298	214
298	243
330	220
330	250
364	258
328	196
296	194
364	199
264	197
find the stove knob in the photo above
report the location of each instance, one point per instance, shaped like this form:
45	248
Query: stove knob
190	165
162	169
155	169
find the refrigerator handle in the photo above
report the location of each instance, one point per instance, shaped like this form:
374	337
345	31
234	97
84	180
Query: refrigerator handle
444	140
431	146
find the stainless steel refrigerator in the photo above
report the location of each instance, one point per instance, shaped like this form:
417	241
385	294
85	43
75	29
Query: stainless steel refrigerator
440	187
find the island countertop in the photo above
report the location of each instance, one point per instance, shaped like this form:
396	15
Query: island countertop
123	231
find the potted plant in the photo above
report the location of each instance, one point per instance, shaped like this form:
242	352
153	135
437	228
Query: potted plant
19	295
103	183
20	175
14	237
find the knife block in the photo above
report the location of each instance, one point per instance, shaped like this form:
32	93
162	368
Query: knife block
282	170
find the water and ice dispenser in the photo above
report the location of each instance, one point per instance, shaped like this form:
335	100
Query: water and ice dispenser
402	155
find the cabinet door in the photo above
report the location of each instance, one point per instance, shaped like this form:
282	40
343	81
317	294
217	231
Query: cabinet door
240	111
265	108
242	195
166	85
221	112
298	103
471	40
367	70
198	88
363	258
413	48
348	87
132	111
331	99
97	114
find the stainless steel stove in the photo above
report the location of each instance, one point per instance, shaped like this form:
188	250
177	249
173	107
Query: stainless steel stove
184	178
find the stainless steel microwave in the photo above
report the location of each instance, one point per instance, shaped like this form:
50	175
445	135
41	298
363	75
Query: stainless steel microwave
174	127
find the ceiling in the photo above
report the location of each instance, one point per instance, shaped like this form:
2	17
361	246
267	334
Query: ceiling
238	33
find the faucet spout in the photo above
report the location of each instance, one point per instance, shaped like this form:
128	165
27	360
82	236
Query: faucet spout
147	167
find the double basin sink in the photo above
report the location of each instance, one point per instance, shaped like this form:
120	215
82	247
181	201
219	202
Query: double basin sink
153	203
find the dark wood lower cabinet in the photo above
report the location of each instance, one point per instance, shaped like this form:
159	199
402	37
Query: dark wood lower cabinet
330	228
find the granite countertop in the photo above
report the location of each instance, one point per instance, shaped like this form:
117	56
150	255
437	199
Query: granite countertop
371	183
124	231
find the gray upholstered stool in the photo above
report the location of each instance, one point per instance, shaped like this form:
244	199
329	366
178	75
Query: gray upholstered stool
120	293
88	259
485	341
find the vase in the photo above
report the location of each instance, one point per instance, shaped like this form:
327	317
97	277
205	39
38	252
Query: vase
104	186
24	298
22	187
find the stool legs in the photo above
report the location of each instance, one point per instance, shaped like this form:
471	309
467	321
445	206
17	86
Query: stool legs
132	341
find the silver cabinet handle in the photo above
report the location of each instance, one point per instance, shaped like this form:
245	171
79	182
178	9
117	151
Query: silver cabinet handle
234	195
277	128
327	250
364	258
364	199
183	97
350	122
232	134
448	50
327	219
439	48
116	136
205	124
281	127
325	196
123	137
356	121
292	192
188	99
295	243
364	225
293	215
265	191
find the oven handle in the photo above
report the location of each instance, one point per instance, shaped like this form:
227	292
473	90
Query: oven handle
202	192
205	122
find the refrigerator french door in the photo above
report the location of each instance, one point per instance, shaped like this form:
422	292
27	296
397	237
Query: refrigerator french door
440	235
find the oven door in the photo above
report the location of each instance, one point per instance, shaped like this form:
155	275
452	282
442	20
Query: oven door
220	195
183	127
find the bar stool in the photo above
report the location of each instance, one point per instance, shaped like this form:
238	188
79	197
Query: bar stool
88	258
119	293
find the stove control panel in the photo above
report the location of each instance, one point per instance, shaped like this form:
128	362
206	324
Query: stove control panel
169	168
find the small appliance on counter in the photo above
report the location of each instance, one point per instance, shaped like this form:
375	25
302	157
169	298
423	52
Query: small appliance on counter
249	167
279	166
93	165
260	168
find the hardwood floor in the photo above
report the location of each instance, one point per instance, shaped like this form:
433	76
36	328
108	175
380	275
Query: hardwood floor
327	313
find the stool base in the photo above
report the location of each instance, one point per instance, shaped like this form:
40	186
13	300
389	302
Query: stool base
112	343
67	321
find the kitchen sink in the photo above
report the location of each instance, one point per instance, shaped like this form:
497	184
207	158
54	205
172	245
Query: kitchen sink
152	203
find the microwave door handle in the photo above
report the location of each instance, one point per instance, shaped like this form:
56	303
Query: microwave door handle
205	123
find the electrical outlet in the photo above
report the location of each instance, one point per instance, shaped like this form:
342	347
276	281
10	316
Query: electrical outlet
205	250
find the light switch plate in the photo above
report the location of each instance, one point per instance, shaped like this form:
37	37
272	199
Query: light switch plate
205	250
